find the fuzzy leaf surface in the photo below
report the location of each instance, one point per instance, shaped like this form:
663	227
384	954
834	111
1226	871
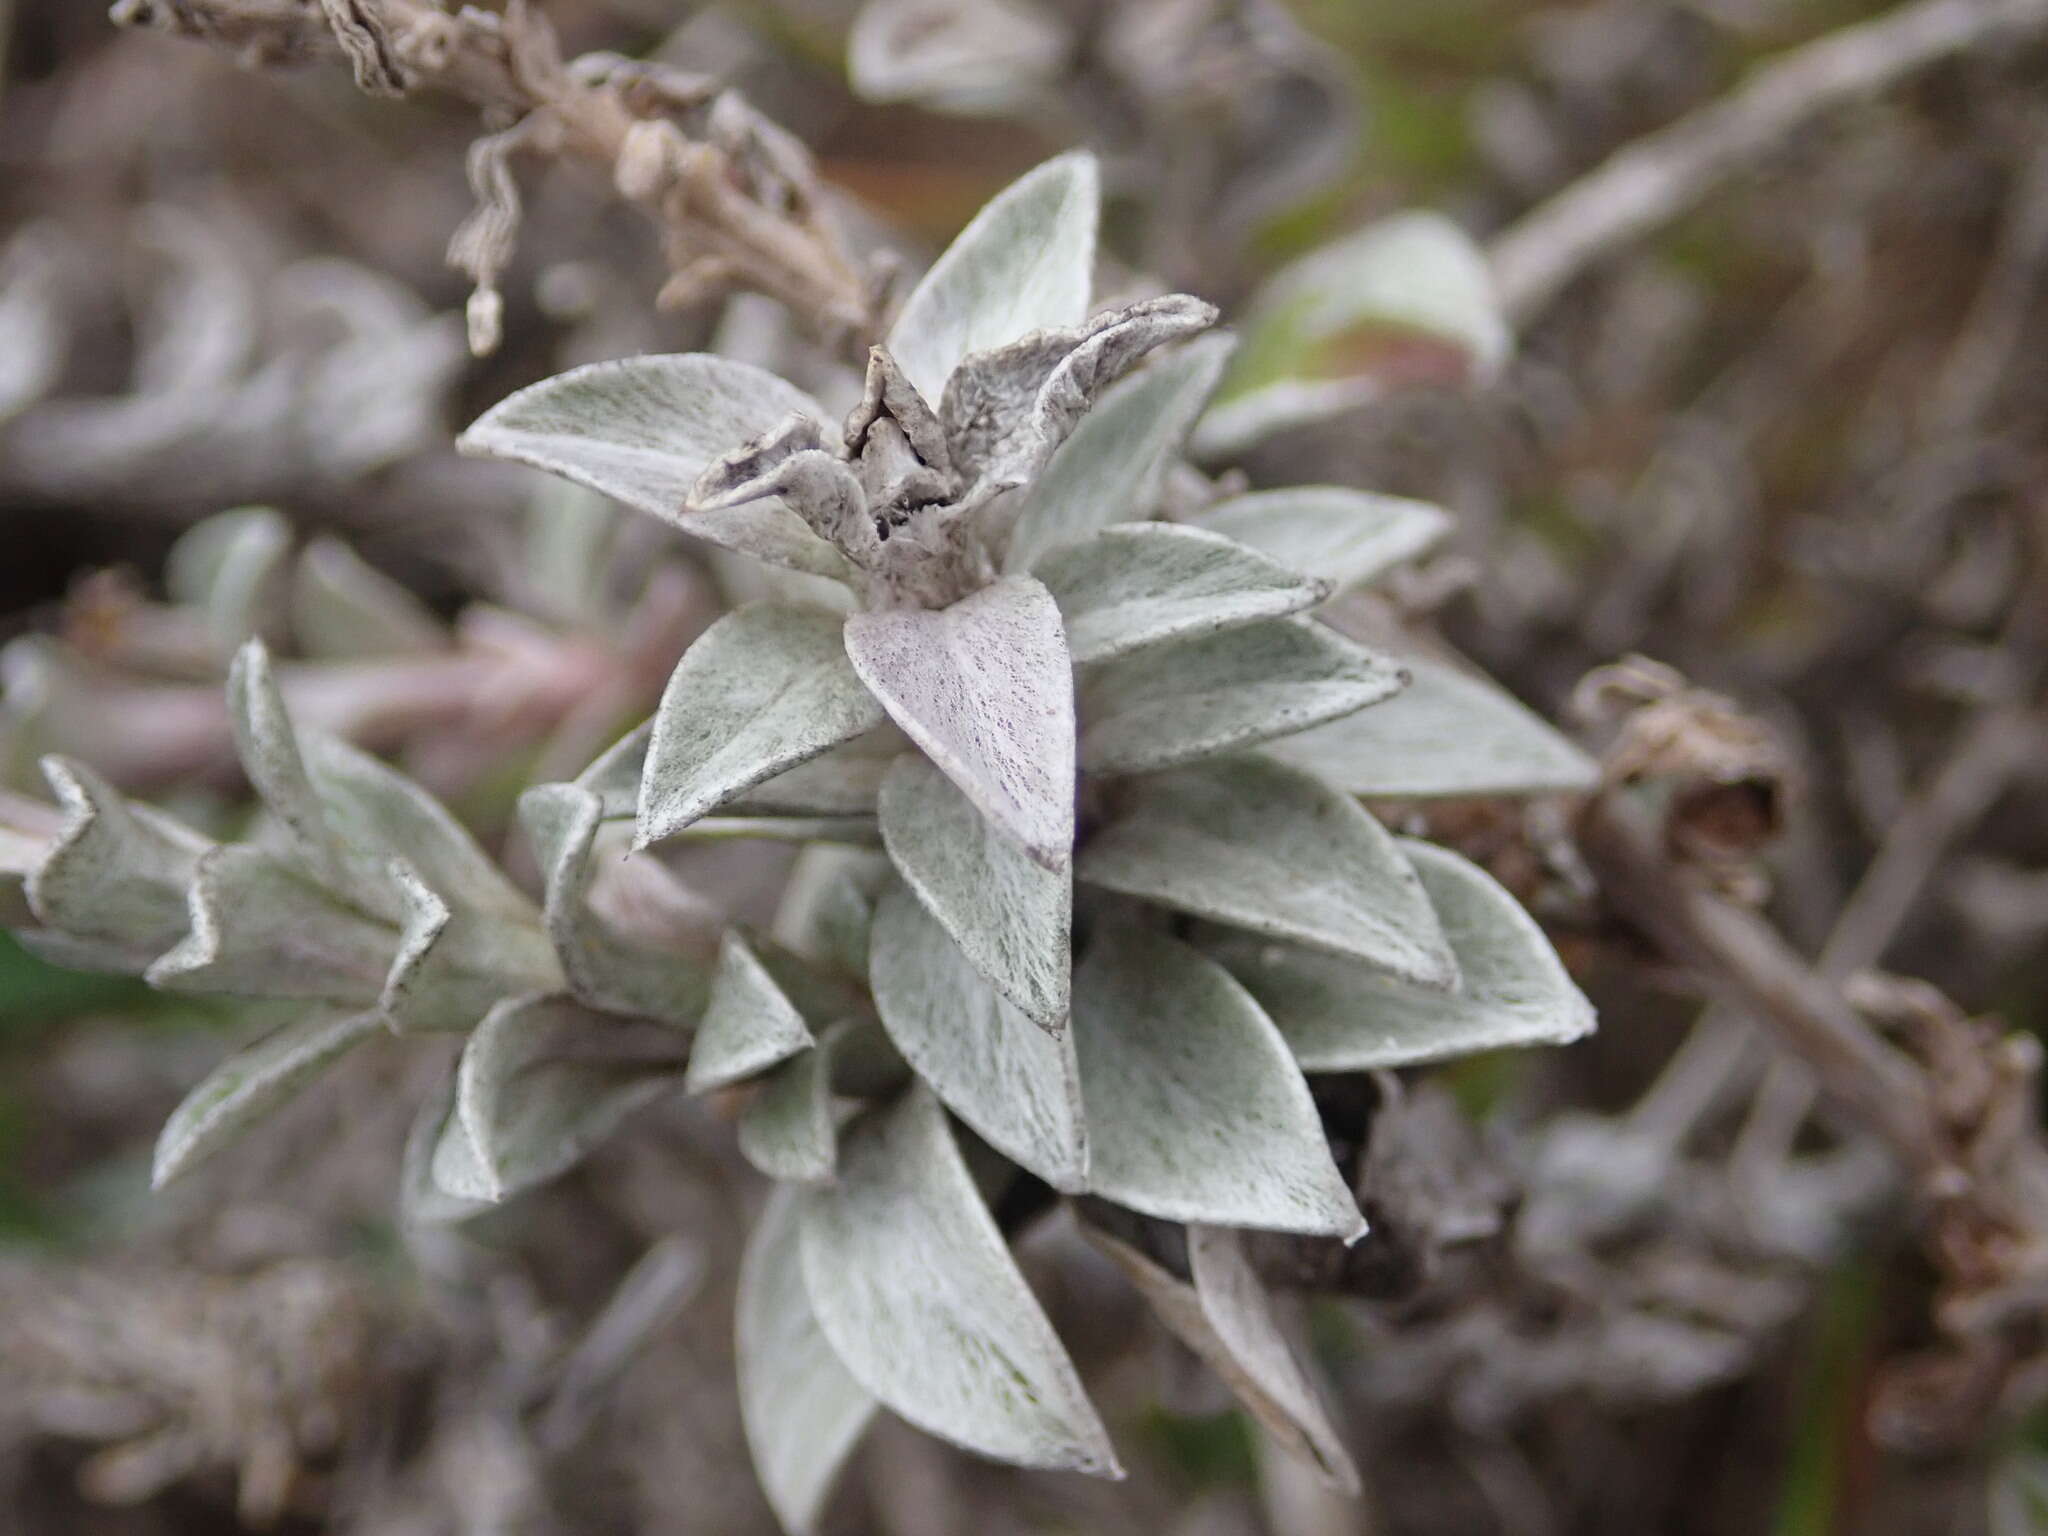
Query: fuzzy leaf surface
787	1131
1191	699
918	1295
259	928
1256	845
1345	537
985	687
1196	1110
1017	1085
118	872
749	1024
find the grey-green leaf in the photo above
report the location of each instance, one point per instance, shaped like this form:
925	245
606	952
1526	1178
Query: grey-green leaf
231	569
843	781
749	1024
985	687
343	608
642	429
543	1080
802	1411
1112	467
787	1130
252	1083
1015	1084
1448	734
455	961
1345	537
1009	915
918	1295
1191	699
759	692
1196	1111
1026	262
1256	845
1140	583
1341	1017
828	906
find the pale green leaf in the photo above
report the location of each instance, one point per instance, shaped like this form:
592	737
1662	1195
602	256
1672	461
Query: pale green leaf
253	1082
231	568
1137	584
828	906
802	1411
642	429
1255	845
969	56
985	687
344	608
1196	1111
847	831
916	1291
749	1024
1009	915
759	692
1344	537
1014	1083
1191	699
787	1130
1448	734
1341	1017
1026	262
844	781
454	962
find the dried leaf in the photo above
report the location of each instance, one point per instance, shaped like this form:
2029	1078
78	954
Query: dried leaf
749	1024
1344	537
986	689
1191	699
916	1291
1015	1084
1196	1111
1259	846
1342	1017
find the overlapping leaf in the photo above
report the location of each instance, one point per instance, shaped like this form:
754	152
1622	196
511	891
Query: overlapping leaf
749	1024
1345	537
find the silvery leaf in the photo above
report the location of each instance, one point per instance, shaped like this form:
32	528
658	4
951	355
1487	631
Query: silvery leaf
436	1149
843	781
1013	1082
1196	1111
1025	263
1191	699
916	1292
615	777
271	757
986	689
749	1024
1226	1317
542	1081
758	693
454	962
252	1083
1448	734
787	1131
1342	1017
1140	583
231	568
1414	276
343	608
828	906
802	1411
118	872
259	928
605	968
969	56
642	429
1112	467
1255	845
1009	915
848	831
1343	537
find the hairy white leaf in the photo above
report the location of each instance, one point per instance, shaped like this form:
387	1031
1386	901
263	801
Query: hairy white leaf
344	608
453	962
231	568
802	1411
642	429
1448	734
917	1293
749	1024
1226	1317
1260	846
259	928
1344	537
1196	1111
985	687
1191	699
970	56
1026	262
252	1083
615	776
1341	1017
759	692
1137	584
1015	1084
843	781
118	872
543	1080
1112	467
787	1130
1010	915
828	906
847	831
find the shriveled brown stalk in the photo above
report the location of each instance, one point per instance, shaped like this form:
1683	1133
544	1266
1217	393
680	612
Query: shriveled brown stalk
736	199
